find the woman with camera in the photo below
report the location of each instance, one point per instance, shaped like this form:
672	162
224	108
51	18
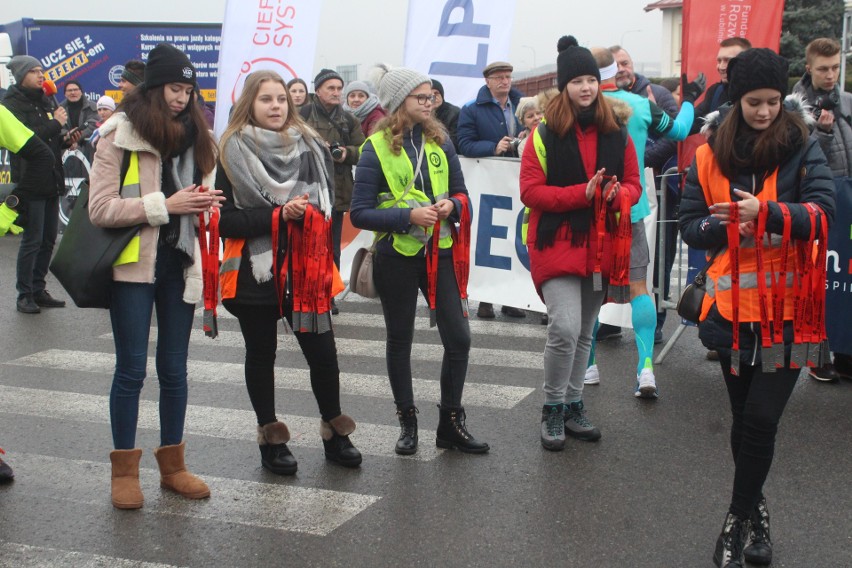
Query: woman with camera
409	190
154	168
760	194
577	173
276	222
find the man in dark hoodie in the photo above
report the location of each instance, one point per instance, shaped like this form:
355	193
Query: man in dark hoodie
27	101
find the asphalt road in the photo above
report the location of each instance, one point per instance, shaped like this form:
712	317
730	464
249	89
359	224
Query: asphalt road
652	493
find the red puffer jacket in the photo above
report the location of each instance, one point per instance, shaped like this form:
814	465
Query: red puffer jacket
563	259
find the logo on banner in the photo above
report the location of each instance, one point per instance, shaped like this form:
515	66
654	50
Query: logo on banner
115	74
260	64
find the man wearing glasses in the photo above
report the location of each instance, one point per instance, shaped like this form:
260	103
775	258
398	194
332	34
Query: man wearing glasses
488	127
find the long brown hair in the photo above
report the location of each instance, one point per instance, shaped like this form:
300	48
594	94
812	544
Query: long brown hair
561	114
147	111
395	124
787	130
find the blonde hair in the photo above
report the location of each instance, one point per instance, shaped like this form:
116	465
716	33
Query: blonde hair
241	113
394	125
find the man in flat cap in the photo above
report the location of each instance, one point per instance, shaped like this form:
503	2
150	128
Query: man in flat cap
488	127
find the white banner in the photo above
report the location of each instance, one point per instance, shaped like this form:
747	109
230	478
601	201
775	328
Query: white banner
264	35
453	41
499	262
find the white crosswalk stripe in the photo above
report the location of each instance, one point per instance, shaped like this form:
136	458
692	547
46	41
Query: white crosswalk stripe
282	507
369	348
475	394
371	439
16	555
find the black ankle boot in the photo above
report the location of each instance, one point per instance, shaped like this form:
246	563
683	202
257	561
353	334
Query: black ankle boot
759	549
730	544
452	433
407	443
335	441
275	456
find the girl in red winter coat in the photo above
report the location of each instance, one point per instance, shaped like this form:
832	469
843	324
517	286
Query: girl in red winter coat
582	171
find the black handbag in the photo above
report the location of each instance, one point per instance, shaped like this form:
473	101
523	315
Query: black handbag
692	299
86	253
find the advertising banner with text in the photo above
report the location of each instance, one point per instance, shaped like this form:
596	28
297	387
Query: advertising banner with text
264	35
453	41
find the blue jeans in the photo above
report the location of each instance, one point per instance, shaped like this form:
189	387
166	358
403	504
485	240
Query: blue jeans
37	245
130	311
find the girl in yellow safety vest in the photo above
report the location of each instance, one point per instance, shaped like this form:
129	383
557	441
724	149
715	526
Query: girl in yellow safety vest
278	261
761	194
409	190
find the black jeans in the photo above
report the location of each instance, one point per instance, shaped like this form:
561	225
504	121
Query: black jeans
757	400
37	245
398	278
259	325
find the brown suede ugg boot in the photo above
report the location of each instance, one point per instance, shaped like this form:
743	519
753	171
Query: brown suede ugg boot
173	474
126	492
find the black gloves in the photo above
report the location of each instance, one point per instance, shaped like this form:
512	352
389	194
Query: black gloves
691	91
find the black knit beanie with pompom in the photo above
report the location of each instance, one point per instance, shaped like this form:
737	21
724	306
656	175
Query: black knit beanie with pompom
573	61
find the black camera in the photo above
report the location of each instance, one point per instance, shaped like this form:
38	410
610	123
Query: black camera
337	150
826	101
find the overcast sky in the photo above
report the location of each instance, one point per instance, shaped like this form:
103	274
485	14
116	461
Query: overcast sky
368	31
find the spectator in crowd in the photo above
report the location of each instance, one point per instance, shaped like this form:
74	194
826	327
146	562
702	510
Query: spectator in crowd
717	93
132	76
209	115
276	171
488	127
645	118
38	158
342	133
403	197
298	92
27	101
832	109
361	101
82	114
760	145
571	209
446	112
106	107
160	149
529	115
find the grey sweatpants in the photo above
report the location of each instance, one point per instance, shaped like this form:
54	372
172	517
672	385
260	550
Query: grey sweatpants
572	308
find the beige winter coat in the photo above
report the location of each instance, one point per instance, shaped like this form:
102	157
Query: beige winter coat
108	209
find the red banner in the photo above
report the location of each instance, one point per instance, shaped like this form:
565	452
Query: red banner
706	23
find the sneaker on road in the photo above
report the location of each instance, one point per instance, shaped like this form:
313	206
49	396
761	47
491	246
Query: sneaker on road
826	373
593	376
577	425
646	385
553	427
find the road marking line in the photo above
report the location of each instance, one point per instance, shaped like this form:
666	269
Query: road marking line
229	423
13	554
370	348
475	394
250	503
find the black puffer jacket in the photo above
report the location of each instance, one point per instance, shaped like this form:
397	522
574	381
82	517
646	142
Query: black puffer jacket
804	178
32	108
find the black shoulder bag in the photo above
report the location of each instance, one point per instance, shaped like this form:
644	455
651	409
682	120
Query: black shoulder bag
692	298
86	253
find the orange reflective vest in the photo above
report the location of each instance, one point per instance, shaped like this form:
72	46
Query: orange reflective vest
717	189
230	268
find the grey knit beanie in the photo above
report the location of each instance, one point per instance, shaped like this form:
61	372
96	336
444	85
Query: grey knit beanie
394	84
20	65
362	86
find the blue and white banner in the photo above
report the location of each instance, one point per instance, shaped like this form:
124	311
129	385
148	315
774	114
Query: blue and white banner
838	285
453	41
264	35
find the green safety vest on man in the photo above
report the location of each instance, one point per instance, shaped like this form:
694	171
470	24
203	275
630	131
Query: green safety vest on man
399	172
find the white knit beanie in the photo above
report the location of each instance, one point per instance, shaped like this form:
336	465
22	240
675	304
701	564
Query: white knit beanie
394	84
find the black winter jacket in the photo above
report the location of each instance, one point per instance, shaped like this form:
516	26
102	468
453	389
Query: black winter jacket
33	108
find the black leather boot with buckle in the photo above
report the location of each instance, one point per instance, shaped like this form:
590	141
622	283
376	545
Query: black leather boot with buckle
452	433
407	443
759	549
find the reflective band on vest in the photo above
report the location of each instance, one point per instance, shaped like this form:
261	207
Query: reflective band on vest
399	171
230	268
130	189
717	189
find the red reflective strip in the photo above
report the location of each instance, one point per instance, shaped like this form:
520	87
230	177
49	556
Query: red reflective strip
763	297
734	253
599	207
208	240
779	292
279	272
461	247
